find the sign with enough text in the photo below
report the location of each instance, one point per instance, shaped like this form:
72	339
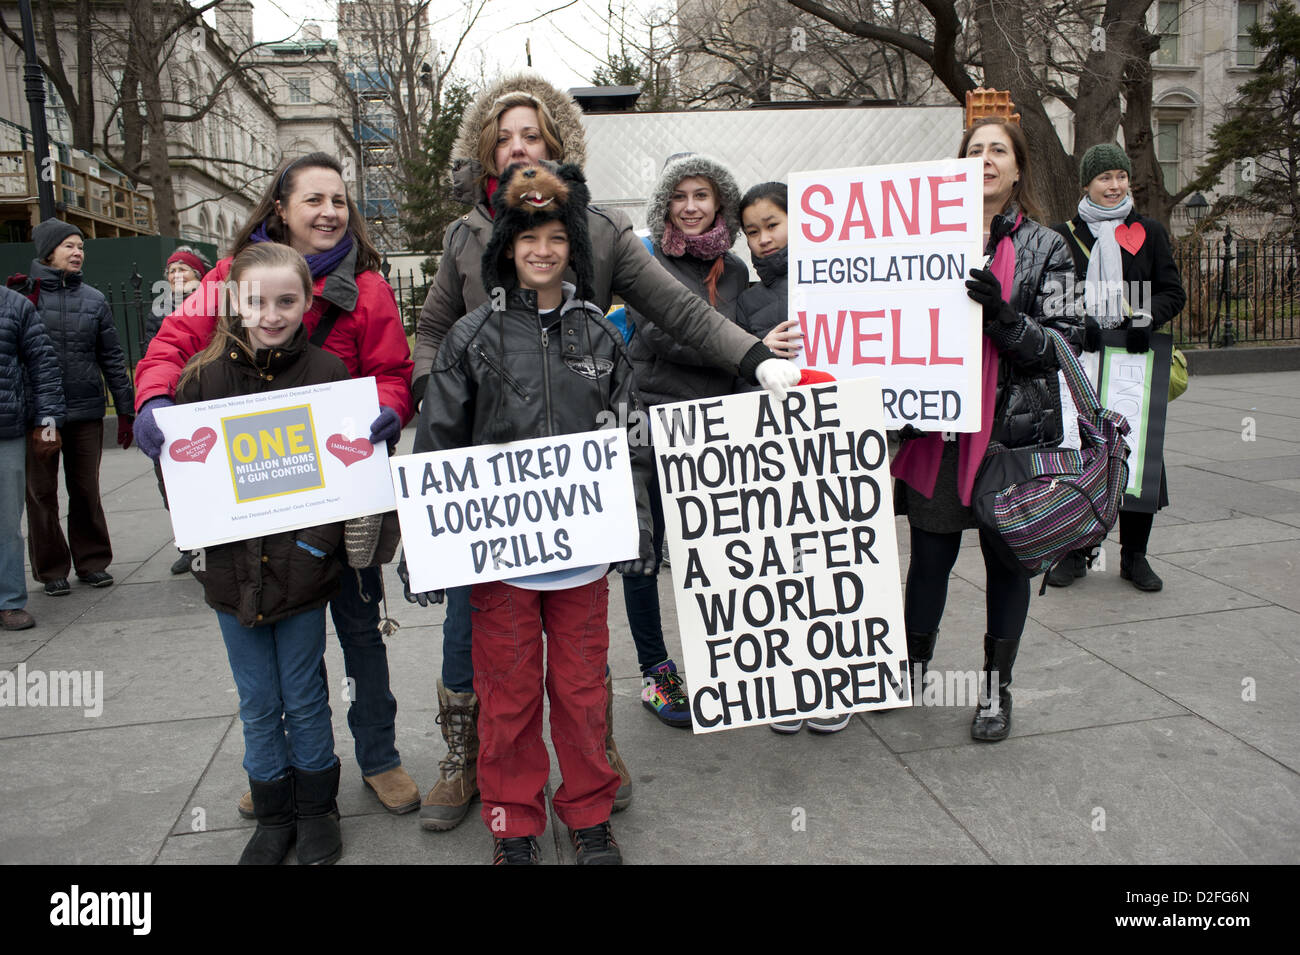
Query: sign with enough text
503	511
251	465
780	519
879	257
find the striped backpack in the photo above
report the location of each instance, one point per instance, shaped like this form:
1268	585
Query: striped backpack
1038	504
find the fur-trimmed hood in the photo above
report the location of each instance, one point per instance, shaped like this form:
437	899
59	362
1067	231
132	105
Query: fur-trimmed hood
656	210
564	109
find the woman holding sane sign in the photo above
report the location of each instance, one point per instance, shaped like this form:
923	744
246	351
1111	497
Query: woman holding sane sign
1021	408
354	316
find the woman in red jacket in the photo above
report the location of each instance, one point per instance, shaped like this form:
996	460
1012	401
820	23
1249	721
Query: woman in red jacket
354	316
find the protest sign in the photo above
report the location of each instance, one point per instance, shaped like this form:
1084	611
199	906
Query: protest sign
879	258
1137	386
780	519
260	464
503	511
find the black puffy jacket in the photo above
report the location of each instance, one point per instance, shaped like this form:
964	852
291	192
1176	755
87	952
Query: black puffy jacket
31	388
81	329
764	306
1028	408
567	377
667	371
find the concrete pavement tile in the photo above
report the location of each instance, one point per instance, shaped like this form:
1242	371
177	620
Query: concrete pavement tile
177	673
1174	790
1203	661
1201	495
1248	402
133	496
1279	468
1292	519
149	601
106	795
57	612
1228	445
1057	687
1291	484
138	535
1267	383
1268	571
743	796
1210	534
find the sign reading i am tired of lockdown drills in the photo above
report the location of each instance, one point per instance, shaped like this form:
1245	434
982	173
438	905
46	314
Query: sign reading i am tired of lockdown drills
502	511
879	258
260	464
780	520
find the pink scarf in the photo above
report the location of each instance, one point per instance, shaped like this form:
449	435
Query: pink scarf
918	462
707	245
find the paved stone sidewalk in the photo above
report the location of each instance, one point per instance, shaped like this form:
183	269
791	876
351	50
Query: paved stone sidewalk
1172	718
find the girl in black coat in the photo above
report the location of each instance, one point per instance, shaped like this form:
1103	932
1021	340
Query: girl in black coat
1132	285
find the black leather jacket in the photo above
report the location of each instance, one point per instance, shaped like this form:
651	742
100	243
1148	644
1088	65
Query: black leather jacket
1028	409
504	376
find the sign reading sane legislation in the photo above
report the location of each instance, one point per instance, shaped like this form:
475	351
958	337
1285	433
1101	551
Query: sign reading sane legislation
260	464
879	257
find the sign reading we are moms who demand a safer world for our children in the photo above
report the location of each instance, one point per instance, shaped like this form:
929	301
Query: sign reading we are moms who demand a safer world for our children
879	258
780	520
251	465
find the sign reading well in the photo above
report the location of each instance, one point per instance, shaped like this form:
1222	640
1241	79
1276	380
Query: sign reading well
780	520
259	464
501	511
879	258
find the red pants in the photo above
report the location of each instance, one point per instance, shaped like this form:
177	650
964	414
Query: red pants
513	766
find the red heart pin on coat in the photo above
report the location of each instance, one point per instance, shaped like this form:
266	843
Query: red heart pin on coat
349	452
1130	237
196	448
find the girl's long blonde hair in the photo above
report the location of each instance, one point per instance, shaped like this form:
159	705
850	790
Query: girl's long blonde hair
230	331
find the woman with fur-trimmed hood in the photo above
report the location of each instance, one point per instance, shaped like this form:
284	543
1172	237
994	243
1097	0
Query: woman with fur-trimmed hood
522	119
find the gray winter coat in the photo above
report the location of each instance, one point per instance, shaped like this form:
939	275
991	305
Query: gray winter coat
81	329
31	388
622	266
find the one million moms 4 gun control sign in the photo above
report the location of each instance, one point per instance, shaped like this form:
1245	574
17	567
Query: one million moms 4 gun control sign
260	464
780	520
879	258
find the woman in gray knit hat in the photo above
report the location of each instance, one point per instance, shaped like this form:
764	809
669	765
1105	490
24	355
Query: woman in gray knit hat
694	218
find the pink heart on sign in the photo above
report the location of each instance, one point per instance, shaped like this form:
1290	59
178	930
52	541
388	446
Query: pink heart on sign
349	452
1130	237
196	448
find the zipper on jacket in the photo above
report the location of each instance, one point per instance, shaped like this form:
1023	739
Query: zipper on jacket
505	375
546	376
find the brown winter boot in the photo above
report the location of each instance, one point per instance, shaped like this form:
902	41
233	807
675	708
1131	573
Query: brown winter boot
449	800
623	798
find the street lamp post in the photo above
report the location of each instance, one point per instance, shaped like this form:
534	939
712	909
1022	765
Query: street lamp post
1225	290
34	82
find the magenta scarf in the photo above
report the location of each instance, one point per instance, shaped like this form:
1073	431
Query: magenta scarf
918	462
707	245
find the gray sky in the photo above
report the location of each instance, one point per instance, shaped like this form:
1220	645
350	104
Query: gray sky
561	41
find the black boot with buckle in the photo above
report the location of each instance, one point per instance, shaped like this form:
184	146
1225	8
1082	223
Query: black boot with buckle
993	717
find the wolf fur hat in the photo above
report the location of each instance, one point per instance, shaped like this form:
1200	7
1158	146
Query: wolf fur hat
529	196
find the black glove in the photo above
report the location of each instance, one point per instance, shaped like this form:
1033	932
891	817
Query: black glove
984	288
1091	335
907	433
1139	338
423	599
643	566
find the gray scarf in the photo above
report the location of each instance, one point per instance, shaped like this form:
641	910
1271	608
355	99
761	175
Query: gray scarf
1103	286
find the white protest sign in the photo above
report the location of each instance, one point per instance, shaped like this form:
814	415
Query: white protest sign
879	258
1125	389
501	511
260	464
1091	362
780	520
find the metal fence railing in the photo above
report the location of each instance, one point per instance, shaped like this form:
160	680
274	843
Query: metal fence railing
1239	291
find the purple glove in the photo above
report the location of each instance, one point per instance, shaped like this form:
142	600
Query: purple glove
386	427
148	436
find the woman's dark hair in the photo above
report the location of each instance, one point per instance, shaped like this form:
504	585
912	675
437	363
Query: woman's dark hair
281	188
774	192
1022	193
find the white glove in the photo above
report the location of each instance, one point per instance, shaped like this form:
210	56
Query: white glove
776	375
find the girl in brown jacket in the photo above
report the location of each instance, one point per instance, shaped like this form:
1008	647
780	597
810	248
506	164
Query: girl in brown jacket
270	592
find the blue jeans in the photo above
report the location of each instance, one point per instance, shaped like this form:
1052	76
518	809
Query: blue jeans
13	491
457	644
372	715
283	701
641	594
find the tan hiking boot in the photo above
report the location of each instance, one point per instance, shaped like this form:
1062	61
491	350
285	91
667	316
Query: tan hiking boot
246	805
396	790
623	798
449	800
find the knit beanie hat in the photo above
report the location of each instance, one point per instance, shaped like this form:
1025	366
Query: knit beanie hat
191	258
1099	159
49	234
529	196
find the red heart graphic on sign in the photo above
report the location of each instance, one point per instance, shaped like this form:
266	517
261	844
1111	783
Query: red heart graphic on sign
349	452
196	448
1130	237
